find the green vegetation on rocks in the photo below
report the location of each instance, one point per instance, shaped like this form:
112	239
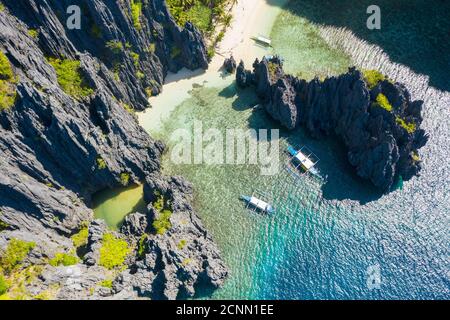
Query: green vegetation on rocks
136	11
141	245
175	52
181	244
70	77
3	285
124	179
128	108
3	226
16	251
7	83
373	77
162	223
80	238
135	57
33	33
63	259
198	12
383	102
101	164
106	284
409	127
113	251
115	46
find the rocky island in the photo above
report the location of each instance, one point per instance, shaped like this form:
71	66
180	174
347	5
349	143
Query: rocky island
375	118
68	130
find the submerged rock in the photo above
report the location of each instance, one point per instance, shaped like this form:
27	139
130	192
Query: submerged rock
380	127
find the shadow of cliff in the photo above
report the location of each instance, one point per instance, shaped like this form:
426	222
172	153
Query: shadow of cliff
340	179
413	32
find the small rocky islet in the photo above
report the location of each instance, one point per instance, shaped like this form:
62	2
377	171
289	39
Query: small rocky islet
375	119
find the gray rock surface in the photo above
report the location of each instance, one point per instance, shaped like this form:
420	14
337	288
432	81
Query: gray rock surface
230	65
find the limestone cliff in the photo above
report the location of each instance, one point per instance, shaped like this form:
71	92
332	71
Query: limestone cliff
57	149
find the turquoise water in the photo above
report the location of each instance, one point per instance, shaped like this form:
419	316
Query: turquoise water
327	234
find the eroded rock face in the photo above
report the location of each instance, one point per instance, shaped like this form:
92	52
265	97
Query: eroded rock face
379	146
230	65
181	260
57	150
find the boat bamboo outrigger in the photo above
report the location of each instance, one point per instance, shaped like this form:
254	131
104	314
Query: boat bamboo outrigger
303	160
256	204
263	40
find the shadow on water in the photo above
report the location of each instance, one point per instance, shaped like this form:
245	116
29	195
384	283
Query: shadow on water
413	32
341	181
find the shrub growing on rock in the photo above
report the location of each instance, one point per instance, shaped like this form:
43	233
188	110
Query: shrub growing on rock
136	11
101	164
63	259
113	251
16	251
383	102
70	78
124	179
3	285
115	46
162	224
80	239
106	284
7	83
409	127
373	77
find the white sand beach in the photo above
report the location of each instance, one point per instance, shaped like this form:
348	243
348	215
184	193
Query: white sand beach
250	18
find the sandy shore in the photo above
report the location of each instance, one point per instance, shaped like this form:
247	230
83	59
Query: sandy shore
250	18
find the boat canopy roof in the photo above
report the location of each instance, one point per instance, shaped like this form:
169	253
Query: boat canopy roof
306	157
306	162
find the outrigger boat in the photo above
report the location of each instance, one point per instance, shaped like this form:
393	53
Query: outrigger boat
304	160
258	204
263	40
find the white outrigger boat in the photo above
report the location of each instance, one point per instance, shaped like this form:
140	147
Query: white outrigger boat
258	204
303	160
263	40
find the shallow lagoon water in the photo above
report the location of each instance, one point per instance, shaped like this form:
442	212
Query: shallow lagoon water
327	235
113	205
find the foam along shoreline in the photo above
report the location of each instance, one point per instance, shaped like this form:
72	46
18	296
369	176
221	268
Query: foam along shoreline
250	18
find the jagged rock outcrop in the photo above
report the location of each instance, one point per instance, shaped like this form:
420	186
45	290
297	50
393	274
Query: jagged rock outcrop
181	260
57	150
230	65
173	265
382	136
